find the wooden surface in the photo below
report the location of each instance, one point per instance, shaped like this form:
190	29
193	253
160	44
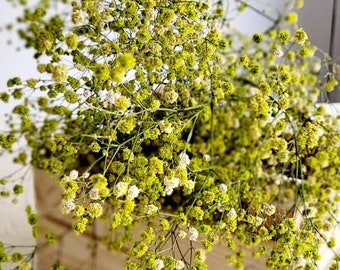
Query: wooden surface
76	253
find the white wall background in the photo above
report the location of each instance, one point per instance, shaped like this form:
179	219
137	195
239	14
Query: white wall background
316	18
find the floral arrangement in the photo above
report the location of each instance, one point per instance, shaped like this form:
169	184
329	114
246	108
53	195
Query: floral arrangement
160	112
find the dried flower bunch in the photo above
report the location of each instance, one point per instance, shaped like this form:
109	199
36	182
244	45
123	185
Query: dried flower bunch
159	112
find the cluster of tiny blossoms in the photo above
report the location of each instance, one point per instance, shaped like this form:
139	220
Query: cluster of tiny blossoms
157	112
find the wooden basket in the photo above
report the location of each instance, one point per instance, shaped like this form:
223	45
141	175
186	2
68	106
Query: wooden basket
75	252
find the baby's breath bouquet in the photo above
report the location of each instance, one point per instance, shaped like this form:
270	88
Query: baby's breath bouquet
160	117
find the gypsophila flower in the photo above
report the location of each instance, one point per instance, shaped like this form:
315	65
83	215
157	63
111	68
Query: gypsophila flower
190	184
206	86
94	193
252	91
193	234
151	209
79	211
86	175
78	16
184	159
112	97
277	52
120	189
300	36
132	192
200	254
122	103
59	73
315	64
223	187
67	206
269	210
95	210
221	207
179	265
159	264
232	213
187	130
170	97
73	174
165	126
206	157
168	190
170	184
258	221
87	93
198	80
203	32
182	234
25	266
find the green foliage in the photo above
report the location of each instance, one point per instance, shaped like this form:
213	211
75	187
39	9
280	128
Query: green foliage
159	112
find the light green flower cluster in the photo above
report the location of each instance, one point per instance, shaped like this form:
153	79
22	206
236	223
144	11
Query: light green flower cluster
166	116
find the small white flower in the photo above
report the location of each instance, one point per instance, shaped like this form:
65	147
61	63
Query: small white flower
67	206
315	64
220	59
151	209
105	104
231	58
337	72
171	182
204	31
252	91
159	264
223	187
206	86
277	52
220	207
170	97
120	189
132	192
206	157
86	175
232	213
193	234
236	123
112	97
99	5
179	265
74	174
78	16
157	48
184	159
269	210
87	93
182	234
165	127
94	194
189	184
168	190
198	80
201	254
258	221
102	24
